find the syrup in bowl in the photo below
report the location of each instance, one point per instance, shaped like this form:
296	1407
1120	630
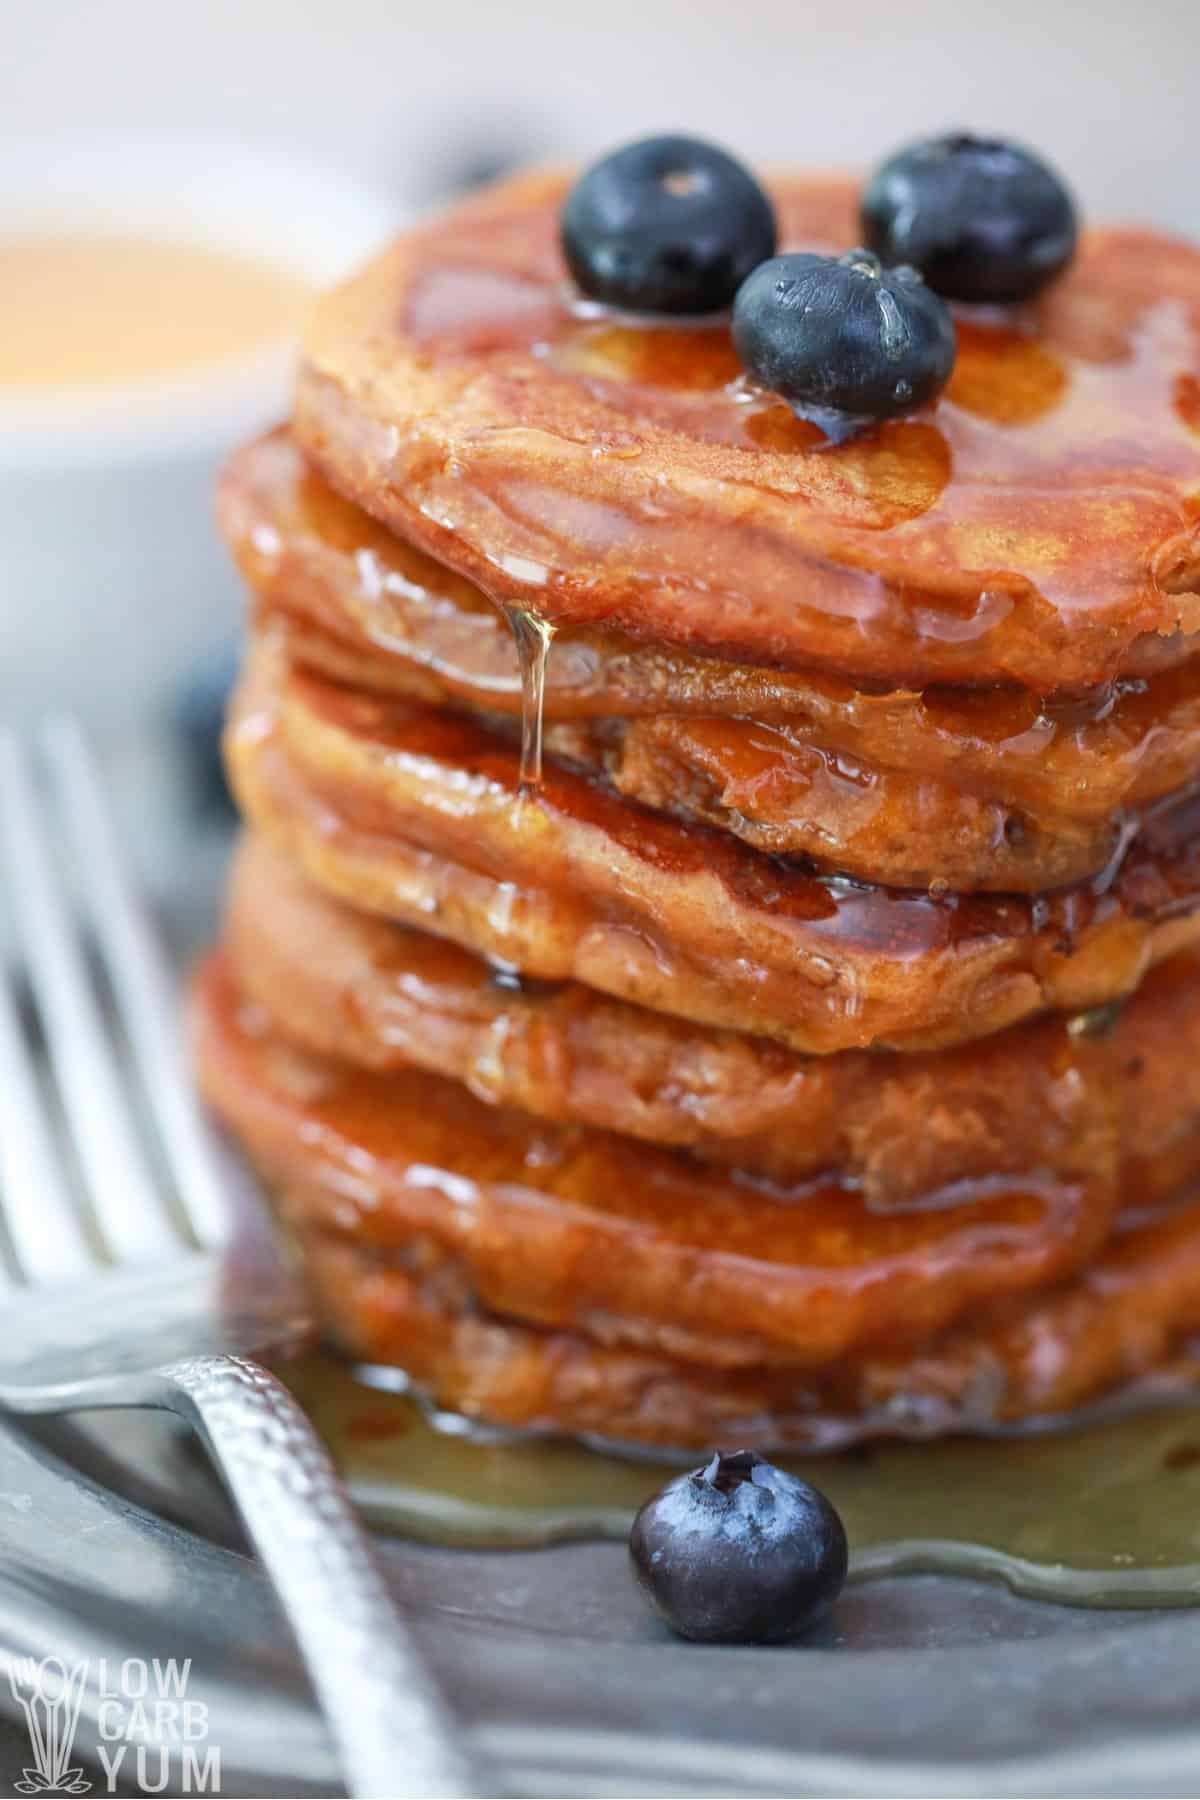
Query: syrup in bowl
88	309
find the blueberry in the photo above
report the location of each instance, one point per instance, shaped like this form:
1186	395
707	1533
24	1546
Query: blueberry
739	1552
196	720
666	225
982	219
846	341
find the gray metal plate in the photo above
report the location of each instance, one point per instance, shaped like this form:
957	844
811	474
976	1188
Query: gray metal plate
115	1542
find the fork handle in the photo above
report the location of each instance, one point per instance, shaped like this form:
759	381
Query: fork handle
392	1727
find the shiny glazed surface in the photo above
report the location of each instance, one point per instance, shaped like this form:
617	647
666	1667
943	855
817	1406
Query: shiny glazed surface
569	1227
418	814
538	1229
965	788
1082	1095
1040	524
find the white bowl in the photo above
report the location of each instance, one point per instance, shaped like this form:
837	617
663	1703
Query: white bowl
114	583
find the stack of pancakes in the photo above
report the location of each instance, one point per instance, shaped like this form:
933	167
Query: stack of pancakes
814	1051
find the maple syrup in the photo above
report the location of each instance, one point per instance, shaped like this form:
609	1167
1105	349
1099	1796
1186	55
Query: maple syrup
533	636
96	310
1102	1512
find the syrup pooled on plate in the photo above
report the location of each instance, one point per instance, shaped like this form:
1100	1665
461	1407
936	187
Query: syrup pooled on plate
1099	1513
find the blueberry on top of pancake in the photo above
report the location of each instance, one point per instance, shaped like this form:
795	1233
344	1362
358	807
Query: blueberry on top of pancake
983	220
847	342
666	225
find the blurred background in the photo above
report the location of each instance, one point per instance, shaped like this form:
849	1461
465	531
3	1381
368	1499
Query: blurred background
416	95
295	134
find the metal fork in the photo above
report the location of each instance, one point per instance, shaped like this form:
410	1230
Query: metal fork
114	1295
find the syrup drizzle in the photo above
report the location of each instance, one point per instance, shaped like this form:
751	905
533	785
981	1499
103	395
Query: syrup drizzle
533	636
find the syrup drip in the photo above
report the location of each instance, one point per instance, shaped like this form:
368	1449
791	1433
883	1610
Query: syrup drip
533	636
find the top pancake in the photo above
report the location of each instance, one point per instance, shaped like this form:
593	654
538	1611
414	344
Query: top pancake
1039	524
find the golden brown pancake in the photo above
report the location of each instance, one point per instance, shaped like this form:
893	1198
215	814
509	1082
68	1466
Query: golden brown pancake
571	1227
408	1258
1128	1319
768	786
880	825
1038	524
1045	1095
417	814
967	789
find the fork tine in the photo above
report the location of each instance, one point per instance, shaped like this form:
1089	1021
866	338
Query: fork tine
144	992
44	1228
133	1219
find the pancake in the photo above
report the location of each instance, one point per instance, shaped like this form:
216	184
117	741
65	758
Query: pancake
975	790
879	825
417	814
1125	1327
790	798
1041	1096
489	1291
576	1228
1037	525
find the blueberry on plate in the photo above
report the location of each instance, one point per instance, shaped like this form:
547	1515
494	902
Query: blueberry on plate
666	225
739	1552
845	340
982	219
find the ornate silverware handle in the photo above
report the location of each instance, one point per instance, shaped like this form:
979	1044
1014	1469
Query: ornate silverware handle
392	1728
